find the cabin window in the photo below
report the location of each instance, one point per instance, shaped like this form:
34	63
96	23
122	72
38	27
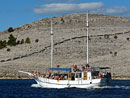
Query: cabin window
85	76
78	75
95	74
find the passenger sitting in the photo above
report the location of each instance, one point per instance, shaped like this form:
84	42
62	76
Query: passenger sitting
65	77
75	68
57	77
43	75
49	73
87	65
46	76
99	76
73	78
61	77
53	77
50	77
72	68
104	75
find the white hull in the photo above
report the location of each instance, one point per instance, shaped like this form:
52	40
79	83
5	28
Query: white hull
50	83
77	83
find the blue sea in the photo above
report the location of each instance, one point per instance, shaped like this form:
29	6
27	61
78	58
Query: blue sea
23	89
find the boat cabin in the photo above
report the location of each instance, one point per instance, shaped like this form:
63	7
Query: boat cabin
73	74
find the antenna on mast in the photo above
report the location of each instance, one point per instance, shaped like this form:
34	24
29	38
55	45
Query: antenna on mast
87	25
51	43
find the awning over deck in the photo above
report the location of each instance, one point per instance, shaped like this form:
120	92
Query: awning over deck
100	68
60	69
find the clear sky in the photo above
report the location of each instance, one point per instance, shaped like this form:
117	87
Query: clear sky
15	13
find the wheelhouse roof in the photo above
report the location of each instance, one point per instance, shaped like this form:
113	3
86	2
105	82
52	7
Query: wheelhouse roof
100	68
60	69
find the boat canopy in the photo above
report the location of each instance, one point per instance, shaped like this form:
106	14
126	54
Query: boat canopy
100	68
60	69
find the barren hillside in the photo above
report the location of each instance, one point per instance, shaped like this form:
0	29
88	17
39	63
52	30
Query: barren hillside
109	44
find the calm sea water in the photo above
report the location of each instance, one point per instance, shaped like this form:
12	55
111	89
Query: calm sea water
23	89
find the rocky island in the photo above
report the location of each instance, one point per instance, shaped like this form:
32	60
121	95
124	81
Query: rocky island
109	45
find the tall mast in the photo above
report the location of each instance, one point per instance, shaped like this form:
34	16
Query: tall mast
51	43
87	38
